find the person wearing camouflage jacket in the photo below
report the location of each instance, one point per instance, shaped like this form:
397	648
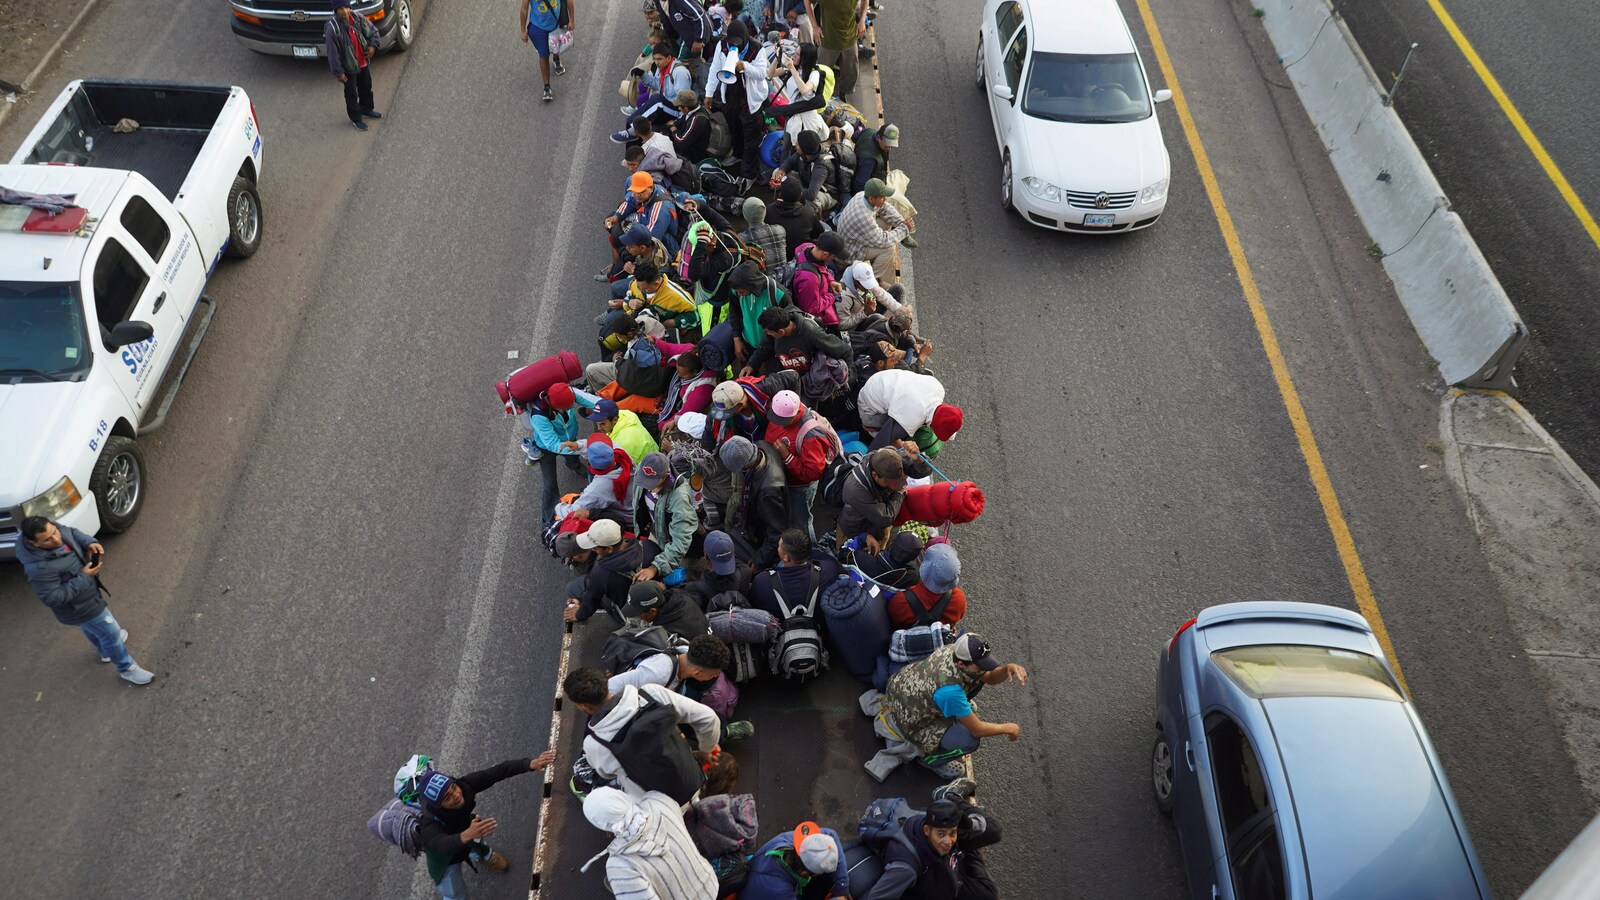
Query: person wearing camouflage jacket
927	697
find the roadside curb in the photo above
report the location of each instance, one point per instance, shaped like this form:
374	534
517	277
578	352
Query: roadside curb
1537	515
49	57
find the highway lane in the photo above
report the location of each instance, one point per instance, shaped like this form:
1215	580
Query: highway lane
1545	58
332	504
1139	464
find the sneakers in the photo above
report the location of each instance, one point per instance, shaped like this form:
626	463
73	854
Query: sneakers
360	126
908	242
497	862
962	788
137	675
952	769
372	114
123	638
548	94
742	730
863	51
621	137
629	110
555	64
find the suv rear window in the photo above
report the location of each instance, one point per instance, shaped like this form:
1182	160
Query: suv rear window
1273	670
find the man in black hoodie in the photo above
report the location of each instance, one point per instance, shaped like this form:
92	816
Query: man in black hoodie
792	341
448	831
797	218
923	862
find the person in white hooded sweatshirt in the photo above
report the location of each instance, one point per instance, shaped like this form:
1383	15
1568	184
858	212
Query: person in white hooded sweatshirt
608	712
651	856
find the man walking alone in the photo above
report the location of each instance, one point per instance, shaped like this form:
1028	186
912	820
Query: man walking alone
352	43
63	565
540	19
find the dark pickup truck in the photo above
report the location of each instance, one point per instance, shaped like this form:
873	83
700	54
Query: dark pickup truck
294	27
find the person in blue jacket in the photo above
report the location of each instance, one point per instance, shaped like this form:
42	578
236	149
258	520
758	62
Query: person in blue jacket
788	865
554	421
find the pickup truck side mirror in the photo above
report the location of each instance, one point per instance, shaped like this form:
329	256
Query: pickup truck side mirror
131	332
1003	92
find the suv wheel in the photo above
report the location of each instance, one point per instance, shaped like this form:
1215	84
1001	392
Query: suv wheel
118	484
1161	773
402	28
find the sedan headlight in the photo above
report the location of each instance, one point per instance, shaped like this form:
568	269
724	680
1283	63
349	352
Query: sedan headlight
54	503
1154	192
1042	189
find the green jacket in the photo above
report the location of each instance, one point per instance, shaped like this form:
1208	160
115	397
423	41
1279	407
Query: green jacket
673	524
630	434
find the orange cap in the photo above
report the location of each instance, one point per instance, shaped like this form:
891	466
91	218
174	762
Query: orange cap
803	831
641	181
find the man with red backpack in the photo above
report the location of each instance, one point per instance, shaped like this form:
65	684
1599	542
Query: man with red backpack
806	443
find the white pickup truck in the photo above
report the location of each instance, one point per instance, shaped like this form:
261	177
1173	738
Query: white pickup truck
102	305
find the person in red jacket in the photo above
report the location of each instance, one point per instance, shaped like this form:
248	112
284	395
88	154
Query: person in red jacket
806	443
925	603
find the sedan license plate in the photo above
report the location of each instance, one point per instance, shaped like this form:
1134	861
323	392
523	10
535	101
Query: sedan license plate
1100	220
305	52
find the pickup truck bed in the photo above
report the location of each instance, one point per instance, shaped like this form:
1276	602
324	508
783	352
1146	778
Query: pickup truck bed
804	763
174	123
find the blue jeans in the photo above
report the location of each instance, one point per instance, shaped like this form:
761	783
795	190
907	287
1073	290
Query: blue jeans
453	886
106	636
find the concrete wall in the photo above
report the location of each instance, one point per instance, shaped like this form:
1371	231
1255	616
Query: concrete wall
1455	302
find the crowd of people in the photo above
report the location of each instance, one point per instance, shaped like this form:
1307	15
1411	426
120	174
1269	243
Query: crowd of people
742	481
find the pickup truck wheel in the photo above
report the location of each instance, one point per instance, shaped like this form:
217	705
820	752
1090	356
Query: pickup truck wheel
118	484
244	219
403	34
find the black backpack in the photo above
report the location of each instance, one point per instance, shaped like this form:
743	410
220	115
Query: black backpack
797	652
626	648
926	615
830	487
654	753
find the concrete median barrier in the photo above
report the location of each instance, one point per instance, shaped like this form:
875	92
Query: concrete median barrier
1458	307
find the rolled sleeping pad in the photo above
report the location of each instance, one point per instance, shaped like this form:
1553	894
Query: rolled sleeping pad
864	866
527	383
948	502
858	623
884	669
716	348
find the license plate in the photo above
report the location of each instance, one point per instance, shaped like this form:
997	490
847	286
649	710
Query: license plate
305	52
1100	220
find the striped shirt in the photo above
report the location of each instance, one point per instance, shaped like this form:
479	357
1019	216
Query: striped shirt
658	860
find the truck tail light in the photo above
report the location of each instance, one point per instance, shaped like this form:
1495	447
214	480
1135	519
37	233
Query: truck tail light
247	17
1181	629
377	15
254	118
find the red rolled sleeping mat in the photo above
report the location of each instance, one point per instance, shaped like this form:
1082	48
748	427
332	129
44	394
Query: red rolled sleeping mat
527	383
948	502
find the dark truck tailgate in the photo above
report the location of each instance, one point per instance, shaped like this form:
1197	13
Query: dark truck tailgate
174	122
804	763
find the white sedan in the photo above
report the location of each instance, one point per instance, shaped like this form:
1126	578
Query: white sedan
1074	116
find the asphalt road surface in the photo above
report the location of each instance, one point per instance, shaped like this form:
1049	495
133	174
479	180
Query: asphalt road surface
336	566
1547	60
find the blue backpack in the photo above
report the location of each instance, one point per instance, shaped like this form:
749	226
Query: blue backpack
883	820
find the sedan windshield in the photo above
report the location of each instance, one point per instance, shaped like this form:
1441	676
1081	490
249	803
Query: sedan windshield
1087	89
42	337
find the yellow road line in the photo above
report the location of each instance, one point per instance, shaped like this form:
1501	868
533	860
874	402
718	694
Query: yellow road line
1353	570
1518	122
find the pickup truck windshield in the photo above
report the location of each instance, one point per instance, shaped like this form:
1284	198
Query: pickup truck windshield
42	334
1100	89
